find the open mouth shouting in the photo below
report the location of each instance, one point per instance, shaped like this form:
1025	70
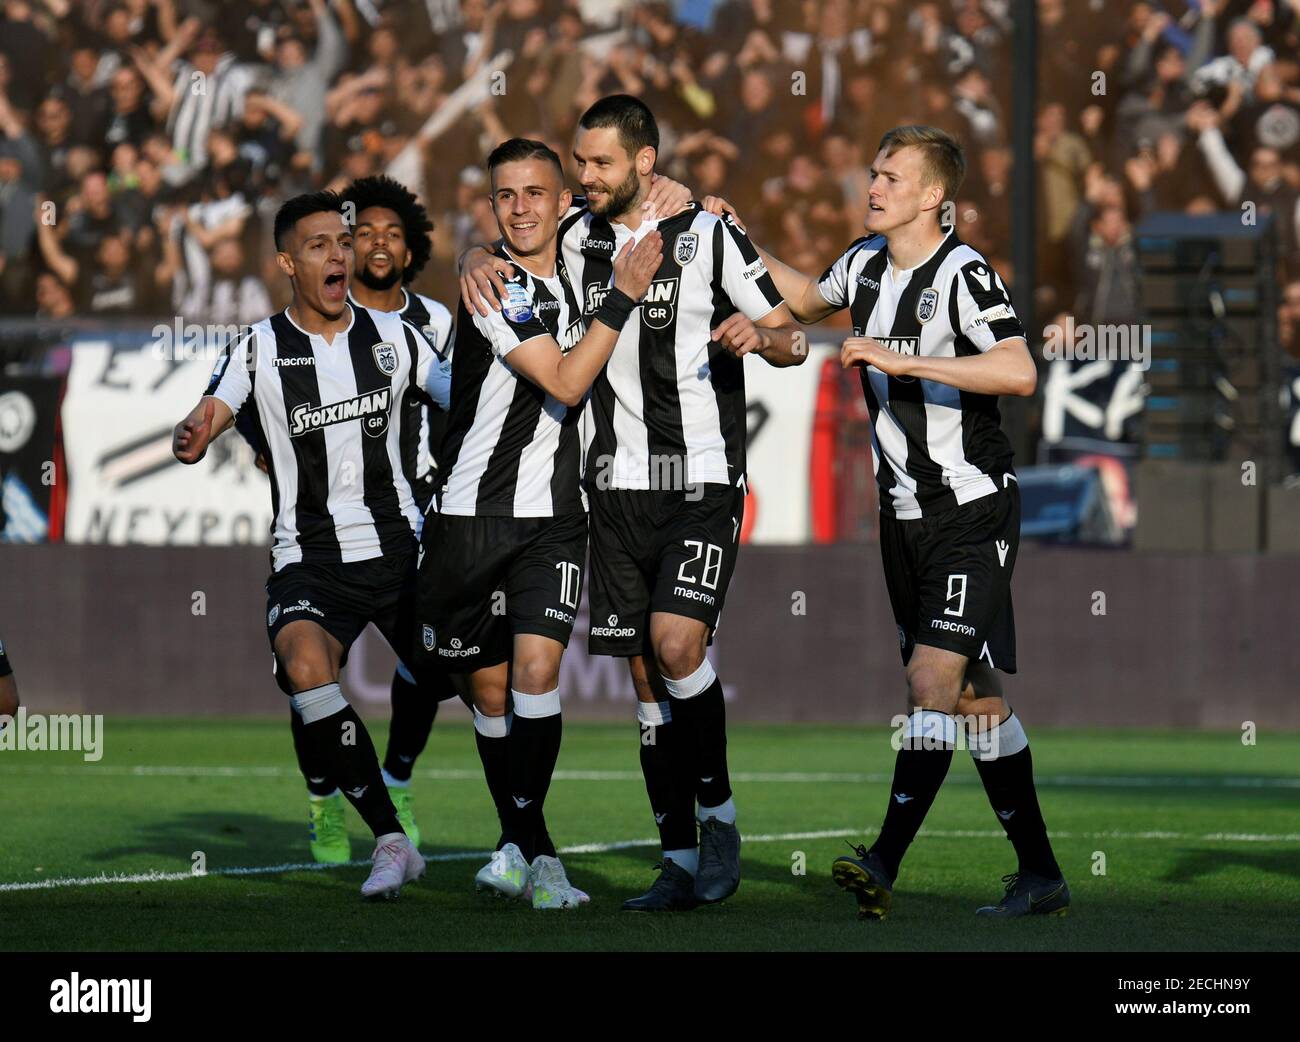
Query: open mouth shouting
336	284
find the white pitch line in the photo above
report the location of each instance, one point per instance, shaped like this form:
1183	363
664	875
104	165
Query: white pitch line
630	844
1067	781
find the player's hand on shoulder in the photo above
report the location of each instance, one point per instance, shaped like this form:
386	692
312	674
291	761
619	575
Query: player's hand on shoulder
865	350
738	334
190	437
719	207
483	280
635	267
665	198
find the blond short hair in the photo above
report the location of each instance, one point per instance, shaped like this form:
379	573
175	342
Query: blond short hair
941	154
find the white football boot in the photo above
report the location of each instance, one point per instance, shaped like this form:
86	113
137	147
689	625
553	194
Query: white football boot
396	863
549	886
506	875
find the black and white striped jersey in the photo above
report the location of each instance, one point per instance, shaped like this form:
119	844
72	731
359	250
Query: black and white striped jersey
933	446
330	418
434	321
512	450
670	405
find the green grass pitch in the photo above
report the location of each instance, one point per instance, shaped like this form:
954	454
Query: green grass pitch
1200	837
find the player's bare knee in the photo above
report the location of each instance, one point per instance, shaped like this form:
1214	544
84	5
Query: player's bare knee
678	654
929	687
307	668
490	701
535	675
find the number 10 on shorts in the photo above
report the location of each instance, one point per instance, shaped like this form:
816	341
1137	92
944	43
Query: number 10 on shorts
711	555
570	583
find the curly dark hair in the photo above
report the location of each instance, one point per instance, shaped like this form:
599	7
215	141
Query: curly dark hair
381	190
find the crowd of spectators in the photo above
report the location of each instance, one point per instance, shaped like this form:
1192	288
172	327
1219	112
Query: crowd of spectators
144	144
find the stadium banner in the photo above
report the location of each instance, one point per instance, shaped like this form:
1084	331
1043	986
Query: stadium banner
1090	407
29	410
124	485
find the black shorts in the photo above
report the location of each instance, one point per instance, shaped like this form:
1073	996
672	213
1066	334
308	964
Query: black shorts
659	551
483	580
343	598
5	668
949	578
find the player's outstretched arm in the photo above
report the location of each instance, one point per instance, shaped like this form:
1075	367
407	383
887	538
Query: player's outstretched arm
567	377
1005	368
193	435
775	338
800	291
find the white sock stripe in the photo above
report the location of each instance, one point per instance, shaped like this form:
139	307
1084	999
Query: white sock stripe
317	703
1006	739
689	687
931	726
491	726
654	713
536	707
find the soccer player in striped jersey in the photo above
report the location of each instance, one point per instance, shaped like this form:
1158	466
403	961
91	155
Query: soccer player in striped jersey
390	246
666	479
330	384
504	553
936	340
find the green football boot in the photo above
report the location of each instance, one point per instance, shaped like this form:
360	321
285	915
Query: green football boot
328	833
401	798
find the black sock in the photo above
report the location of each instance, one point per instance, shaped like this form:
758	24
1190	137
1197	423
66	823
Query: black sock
1009	782
919	769
702	718
672	802
341	741
409	726
315	772
542	841
534	746
492	753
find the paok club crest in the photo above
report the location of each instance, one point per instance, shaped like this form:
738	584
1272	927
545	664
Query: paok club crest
685	248
927	304
385	358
